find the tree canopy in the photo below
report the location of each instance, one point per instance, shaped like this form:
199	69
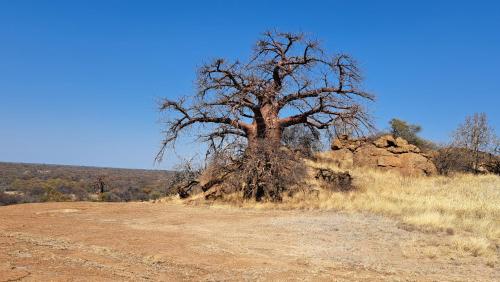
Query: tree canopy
288	80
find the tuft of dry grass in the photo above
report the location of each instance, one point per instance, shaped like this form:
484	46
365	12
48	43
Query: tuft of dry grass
476	246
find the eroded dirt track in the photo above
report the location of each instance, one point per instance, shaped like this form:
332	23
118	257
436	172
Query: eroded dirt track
146	241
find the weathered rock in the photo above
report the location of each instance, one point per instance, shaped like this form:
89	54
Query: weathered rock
385	141
368	154
400	142
343	142
337	144
404	149
389	161
386	152
416	164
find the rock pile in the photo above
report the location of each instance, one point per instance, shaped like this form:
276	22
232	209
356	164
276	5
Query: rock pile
386	153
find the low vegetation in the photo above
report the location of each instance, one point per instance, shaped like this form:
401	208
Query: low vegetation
461	202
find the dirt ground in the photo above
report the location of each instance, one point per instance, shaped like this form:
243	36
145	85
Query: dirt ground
158	241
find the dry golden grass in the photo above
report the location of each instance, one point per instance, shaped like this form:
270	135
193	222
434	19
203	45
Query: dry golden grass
464	205
463	202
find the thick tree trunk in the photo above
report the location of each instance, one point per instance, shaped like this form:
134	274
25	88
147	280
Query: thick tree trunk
266	127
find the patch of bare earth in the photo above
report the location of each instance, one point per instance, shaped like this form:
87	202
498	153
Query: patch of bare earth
146	241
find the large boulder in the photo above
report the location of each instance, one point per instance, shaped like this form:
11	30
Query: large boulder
368	154
389	161
385	152
417	164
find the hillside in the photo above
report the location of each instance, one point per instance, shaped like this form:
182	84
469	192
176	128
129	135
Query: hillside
158	241
27	183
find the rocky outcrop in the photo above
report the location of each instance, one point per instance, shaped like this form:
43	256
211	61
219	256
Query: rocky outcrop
386	152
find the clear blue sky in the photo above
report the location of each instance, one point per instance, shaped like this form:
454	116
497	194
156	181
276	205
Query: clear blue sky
79	80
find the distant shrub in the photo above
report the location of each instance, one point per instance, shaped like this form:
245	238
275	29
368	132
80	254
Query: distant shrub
155	195
110	197
33	194
452	159
476	137
409	132
9	199
52	195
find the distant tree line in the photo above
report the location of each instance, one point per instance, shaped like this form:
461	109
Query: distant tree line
31	183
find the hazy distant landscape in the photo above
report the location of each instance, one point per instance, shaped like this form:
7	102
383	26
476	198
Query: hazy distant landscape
33	183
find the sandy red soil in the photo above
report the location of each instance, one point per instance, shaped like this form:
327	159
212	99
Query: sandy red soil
147	241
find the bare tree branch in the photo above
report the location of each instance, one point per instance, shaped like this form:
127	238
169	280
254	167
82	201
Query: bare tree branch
289	80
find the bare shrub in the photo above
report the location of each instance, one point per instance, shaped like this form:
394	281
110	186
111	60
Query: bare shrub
335	181
110	197
450	159
477	137
492	163
269	171
262	172
184	180
453	159
474	148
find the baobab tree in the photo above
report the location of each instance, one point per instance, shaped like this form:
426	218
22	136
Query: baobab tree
288	81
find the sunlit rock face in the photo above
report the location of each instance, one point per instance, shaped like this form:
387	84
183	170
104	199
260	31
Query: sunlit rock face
385	152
